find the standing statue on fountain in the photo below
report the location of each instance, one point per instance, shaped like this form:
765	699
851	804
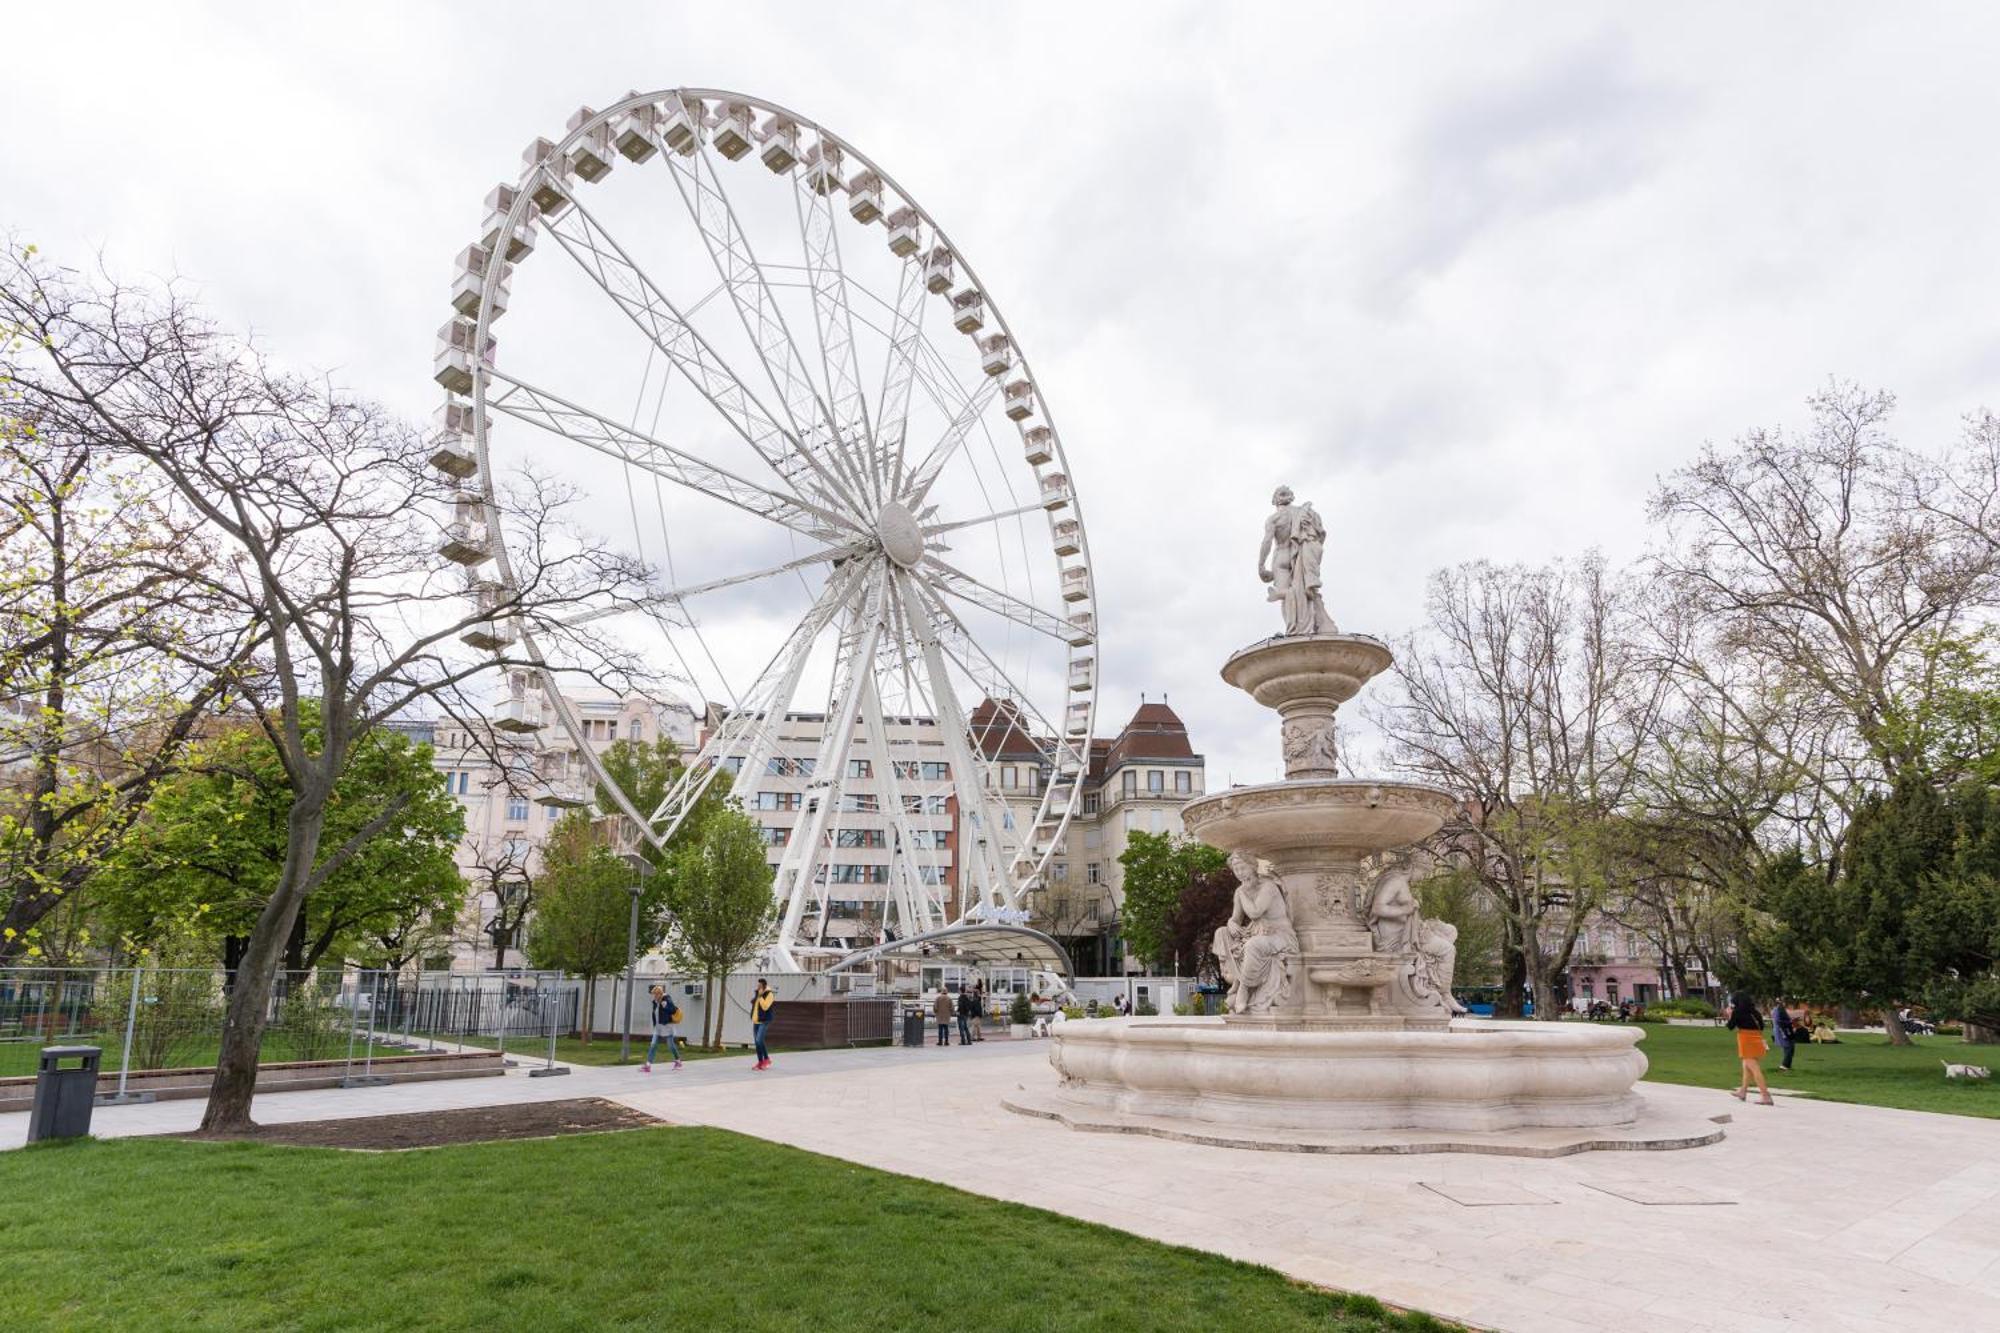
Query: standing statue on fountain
1256	946
1289	560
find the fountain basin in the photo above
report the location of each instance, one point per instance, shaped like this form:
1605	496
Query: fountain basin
1329	668
1475	1077
1353	817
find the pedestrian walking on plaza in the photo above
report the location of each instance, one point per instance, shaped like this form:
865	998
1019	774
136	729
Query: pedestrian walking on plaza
666	1023
761	1006
979	1012
967	1009
1750	1047
943	1009
1785	1033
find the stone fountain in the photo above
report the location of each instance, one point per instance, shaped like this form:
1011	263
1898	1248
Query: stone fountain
1342	1034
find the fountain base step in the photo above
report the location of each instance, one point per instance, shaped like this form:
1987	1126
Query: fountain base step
1650	1131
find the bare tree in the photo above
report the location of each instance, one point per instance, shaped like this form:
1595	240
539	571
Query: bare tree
330	518
1825	559
505	867
1524	695
111	651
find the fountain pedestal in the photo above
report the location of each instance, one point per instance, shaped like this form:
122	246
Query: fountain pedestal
1340	1035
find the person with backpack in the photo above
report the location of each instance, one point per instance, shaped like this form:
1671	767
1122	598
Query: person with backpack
942	1009
666	1023
762	1004
1785	1033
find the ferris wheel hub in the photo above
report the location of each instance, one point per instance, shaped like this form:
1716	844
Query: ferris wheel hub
896	528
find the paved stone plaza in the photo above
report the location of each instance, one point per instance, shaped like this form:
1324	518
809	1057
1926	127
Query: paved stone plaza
1807	1216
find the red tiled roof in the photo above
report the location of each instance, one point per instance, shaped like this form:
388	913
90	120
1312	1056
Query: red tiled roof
1155	732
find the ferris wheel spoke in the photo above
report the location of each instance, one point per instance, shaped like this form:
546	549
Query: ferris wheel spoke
813	425
539	407
967	588
794	880
849	406
921	908
614	272
962	647
925	474
751	729
968	773
898	373
938	529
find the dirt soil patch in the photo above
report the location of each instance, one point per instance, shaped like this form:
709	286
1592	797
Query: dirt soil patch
435	1129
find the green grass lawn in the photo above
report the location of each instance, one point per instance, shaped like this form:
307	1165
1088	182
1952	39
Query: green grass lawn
22	1058
678	1228
1862	1068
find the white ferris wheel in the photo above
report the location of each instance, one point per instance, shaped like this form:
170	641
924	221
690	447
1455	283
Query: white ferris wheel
767	370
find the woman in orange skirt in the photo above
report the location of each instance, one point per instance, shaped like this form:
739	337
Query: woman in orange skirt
1750	1047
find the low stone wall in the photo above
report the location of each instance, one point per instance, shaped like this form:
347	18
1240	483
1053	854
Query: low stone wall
17	1094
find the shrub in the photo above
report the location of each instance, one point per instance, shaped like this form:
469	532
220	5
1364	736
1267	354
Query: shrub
1685	1007
1145	1009
1020	1012
1072	1011
1183	1007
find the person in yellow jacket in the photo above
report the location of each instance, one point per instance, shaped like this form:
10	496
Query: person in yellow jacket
761	1006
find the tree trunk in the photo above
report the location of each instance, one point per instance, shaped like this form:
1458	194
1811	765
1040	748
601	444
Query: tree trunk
718	1004
1980	1034
243	1021
1892	1023
1513	979
589	1006
1846	1016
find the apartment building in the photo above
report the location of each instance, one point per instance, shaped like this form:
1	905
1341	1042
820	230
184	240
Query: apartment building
1136	781
516	771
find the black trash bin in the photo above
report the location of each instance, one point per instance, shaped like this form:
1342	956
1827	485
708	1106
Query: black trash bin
913	1027
65	1086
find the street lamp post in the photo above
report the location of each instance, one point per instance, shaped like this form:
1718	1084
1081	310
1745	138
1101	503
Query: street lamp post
641	868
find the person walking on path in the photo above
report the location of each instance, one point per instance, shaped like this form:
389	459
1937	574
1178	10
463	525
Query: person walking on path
1750	1047
967	1009
666	1023
979	1012
1785	1034
761	1005
943	1009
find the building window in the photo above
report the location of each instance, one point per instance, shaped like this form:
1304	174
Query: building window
1131	782
860	803
774	836
1094	873
860	768
1090	803
1010	777
861	837
1060	872
635	730
778	800
1183	782
1156	781
1159	820
936	771
460	782
517	809
733	764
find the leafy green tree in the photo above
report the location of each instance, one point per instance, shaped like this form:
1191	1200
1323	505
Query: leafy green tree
583	908
1159	868
1453	895
1913	912
718	889
212	843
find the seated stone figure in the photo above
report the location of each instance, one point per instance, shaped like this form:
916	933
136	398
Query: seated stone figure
1256	946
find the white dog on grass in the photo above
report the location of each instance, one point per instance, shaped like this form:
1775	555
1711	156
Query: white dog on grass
1965	1071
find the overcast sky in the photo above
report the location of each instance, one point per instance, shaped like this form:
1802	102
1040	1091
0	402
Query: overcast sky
1467	277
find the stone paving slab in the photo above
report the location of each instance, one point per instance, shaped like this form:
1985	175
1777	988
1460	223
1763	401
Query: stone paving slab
1892	1217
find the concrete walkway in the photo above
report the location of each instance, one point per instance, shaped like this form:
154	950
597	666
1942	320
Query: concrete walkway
1808	1216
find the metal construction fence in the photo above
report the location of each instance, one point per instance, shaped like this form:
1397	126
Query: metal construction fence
149	1019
